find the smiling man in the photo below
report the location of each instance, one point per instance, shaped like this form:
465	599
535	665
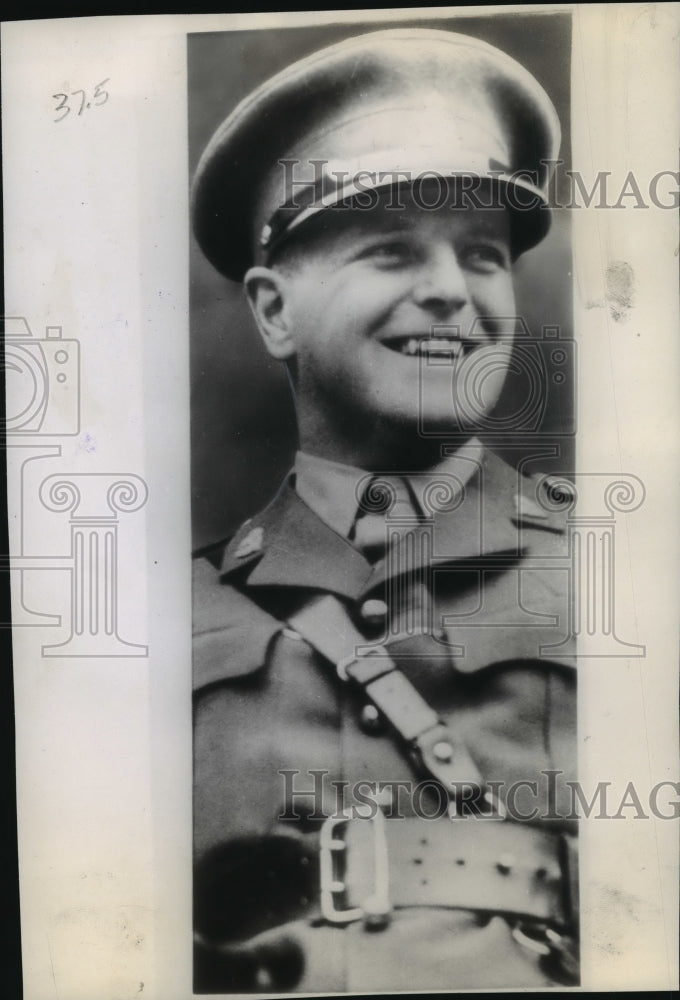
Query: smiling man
384	717
362	298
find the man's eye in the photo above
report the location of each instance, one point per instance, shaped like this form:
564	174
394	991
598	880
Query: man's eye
394	252
486	257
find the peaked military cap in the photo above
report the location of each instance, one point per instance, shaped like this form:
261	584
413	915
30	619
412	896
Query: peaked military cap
357	117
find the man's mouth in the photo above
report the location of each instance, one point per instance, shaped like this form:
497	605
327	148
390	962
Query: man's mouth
431	346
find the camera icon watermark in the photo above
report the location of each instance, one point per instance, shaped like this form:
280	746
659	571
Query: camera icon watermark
44	405
499	379
43	381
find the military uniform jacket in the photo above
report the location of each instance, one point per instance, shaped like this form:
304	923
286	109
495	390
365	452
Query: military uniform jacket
477	619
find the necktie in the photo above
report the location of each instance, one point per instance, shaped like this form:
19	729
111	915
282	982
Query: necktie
383	500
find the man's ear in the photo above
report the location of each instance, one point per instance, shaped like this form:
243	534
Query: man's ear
266	291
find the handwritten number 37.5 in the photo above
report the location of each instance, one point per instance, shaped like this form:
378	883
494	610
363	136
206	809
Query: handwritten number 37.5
98	98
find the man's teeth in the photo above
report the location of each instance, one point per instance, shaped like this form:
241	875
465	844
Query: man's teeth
430	345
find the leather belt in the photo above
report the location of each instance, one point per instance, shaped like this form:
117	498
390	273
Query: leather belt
371	866
364	869
361	869
488	867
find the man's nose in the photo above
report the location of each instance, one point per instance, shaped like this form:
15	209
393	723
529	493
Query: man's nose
441	287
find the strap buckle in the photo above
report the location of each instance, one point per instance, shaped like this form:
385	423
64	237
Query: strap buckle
360	653
375	909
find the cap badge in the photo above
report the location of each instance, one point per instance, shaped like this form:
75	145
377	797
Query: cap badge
250	544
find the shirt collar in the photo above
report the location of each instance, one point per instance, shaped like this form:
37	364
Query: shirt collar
330	488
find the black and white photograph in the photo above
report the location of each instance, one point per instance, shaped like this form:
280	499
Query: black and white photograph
341	354
383	661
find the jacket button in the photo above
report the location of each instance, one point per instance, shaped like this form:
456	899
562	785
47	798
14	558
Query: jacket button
443	752
371	721
263	979
373	612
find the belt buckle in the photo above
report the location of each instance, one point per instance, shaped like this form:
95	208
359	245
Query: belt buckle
375	909
558	953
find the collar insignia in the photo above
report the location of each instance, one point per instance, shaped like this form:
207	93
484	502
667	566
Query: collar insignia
527	508
250	544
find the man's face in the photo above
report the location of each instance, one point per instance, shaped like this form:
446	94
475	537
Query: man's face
403	316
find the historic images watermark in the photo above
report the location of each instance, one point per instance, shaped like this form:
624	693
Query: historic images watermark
360	184
44	405
314	796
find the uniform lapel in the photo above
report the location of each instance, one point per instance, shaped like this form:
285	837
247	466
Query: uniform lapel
288	545
481	525
297	549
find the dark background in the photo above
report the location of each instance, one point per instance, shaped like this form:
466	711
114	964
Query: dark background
243	427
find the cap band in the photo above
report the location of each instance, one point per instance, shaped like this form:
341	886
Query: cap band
345	182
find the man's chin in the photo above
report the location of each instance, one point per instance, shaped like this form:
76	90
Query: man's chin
429	421
451	425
